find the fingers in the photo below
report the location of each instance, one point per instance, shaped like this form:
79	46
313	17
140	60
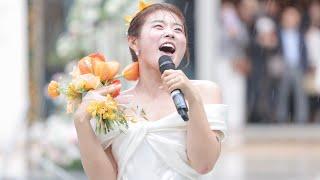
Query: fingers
167	72
173	81
173	87
171	71
108	89
169	77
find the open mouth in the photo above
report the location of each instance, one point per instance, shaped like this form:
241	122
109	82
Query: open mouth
167	48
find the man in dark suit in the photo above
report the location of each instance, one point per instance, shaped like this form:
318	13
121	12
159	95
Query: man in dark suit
294	54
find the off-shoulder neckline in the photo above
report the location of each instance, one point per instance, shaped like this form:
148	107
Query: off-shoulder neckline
174	113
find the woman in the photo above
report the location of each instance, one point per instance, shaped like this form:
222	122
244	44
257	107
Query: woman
164	146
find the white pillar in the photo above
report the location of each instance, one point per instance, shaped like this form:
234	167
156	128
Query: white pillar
206	27
13	78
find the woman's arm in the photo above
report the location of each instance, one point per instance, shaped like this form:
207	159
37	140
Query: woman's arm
203	147
97	163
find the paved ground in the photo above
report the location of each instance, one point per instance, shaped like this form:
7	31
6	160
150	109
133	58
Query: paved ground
277	161
277	153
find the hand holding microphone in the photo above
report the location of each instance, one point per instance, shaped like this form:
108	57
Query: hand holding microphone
176	82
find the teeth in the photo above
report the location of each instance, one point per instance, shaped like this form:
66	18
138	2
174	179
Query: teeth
168	45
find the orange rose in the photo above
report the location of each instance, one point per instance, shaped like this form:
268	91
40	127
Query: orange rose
113	67
100	69
97	56
105	70
85	64
131	72
53	89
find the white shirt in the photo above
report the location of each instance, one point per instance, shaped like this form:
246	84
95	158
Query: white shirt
291	47
313	44
157	149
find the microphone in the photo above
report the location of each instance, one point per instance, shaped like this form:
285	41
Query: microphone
165	63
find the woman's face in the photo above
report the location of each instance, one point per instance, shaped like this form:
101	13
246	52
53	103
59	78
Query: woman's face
163	33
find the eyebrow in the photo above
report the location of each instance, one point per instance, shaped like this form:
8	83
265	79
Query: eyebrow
161	21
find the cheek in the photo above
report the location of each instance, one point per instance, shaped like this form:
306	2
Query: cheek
148	40
183	46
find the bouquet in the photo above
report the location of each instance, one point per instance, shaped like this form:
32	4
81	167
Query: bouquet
90	73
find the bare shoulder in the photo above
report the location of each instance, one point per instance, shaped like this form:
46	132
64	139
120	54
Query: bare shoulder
210	91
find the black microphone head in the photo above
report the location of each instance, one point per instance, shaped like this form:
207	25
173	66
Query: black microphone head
165	63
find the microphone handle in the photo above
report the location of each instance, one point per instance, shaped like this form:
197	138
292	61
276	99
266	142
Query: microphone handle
180	103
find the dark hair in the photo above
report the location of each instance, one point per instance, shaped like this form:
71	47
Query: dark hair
138	21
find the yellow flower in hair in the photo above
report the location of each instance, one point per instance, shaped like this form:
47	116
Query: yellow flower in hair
128	19
142	6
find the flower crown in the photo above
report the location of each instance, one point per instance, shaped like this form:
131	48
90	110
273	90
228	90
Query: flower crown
142	5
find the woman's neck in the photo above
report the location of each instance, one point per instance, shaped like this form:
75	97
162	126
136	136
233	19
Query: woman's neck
149	83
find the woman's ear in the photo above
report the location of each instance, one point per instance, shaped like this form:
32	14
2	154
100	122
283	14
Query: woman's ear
133	44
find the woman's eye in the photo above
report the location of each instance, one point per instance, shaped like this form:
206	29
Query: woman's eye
178	29
158	26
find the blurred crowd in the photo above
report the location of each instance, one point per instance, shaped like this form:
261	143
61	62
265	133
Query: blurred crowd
269	65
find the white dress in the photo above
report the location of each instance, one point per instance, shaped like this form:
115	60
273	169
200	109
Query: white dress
156	150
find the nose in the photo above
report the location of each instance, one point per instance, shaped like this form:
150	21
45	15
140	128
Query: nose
169	34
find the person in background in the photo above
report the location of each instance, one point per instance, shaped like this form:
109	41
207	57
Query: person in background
248	11
294	54
233	65
268	68
271	8
313	44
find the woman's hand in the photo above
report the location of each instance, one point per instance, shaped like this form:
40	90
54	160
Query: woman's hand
176	79
98	94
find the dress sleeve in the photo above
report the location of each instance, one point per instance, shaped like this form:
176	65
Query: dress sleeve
217	115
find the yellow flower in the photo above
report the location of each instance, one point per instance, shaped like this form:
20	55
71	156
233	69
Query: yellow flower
94	107
106	109
107	114
142	5
72	92
128	19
